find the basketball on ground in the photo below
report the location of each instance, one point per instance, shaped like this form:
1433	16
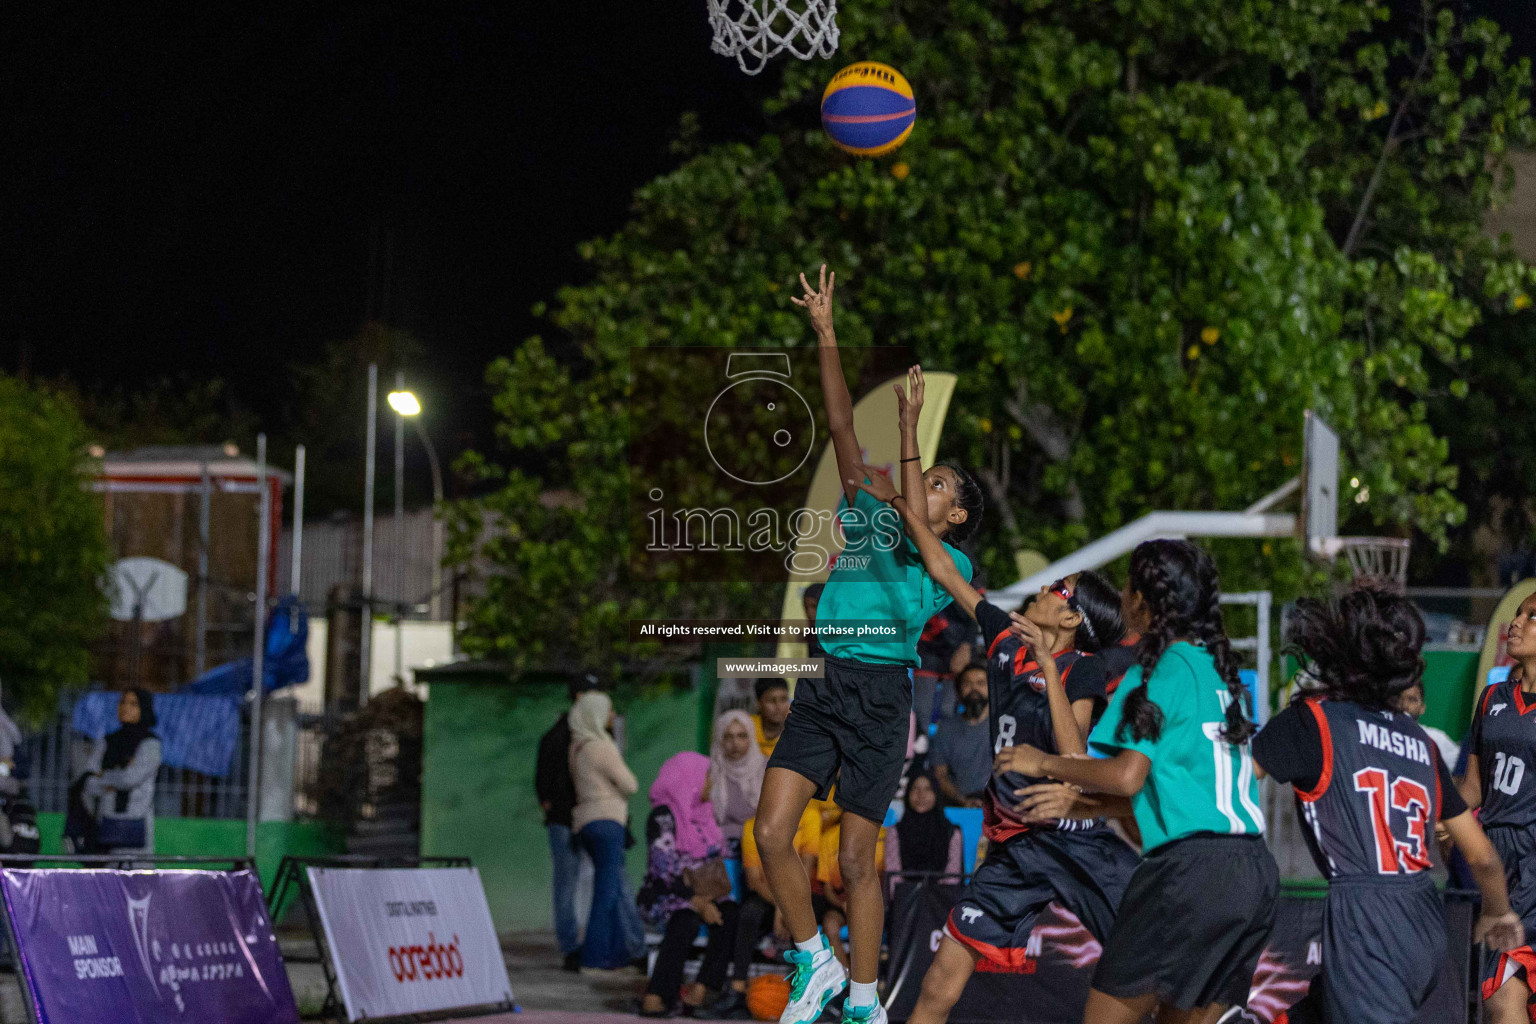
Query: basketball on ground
868	109
767	995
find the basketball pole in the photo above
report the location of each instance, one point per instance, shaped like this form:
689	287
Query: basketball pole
259	645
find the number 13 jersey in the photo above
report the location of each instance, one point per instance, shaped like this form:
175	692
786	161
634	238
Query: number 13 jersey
1370	785
1504	739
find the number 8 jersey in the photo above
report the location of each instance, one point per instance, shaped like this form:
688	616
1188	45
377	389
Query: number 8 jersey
1370	785
1504	739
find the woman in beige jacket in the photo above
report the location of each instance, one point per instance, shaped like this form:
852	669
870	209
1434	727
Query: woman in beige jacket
604	784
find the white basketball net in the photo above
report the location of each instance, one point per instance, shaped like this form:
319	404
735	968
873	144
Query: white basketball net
1377	561
755	31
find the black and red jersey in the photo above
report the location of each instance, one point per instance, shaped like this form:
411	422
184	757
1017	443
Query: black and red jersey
1503	737
1370	785
1021	714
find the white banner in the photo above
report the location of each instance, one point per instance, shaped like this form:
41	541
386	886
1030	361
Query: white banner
410	940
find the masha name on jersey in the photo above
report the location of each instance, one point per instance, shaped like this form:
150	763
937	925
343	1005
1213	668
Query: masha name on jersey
1382	738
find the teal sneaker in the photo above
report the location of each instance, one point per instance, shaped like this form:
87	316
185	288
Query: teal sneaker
816	981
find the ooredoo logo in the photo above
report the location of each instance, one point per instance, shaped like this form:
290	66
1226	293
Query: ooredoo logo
427	963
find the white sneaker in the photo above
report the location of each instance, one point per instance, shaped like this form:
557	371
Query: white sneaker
816	981
864	1014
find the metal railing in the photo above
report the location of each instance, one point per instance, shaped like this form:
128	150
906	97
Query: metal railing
56	754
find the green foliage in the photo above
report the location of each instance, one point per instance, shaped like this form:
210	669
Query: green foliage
168	411
53	547
1148	234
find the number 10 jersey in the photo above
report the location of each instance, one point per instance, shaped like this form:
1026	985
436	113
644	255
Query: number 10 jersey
1504	739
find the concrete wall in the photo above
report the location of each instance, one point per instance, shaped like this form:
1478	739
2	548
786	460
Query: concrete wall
477	796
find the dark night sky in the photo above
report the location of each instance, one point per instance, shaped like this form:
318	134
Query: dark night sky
195	192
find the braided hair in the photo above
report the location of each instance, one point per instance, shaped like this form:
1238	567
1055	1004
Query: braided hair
1099	604
1179	583
969	497
1363	647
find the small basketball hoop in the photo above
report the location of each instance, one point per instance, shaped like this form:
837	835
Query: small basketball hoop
1374	561
755	31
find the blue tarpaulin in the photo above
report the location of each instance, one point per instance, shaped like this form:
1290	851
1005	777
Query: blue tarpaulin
196	732
285	662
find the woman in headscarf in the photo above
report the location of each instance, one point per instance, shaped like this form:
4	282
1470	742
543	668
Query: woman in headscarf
736	767
119	786
682	835
604	784
923	840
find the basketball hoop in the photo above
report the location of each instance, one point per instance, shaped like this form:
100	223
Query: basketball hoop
755	31
1373	561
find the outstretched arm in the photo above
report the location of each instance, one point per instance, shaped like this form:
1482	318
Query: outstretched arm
1121	775
909	406
834	389
935	559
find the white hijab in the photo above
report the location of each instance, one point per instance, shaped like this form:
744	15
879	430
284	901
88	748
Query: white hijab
745	775
589	719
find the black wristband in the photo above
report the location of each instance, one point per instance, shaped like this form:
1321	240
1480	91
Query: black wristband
891	501
915	458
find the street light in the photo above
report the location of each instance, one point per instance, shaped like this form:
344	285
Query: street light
404	403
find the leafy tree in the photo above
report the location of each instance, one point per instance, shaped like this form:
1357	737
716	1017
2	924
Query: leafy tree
1147	233
53	547
168	411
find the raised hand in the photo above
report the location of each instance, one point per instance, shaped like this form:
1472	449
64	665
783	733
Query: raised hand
818	302
1029	632
909	400
879	486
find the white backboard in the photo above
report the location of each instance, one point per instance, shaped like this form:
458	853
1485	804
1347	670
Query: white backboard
147	588
1319	483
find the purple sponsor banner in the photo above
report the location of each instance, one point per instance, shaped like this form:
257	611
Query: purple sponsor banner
124	947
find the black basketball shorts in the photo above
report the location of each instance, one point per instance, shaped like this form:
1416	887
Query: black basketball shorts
1084	871
850	728
1383	940
1193	922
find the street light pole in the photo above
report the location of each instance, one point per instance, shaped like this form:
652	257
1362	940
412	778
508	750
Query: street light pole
399	587
368	472
259	645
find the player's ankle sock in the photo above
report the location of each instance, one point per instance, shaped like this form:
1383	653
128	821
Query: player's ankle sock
814	944
862	993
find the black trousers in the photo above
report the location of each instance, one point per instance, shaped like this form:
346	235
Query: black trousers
677	942
755	921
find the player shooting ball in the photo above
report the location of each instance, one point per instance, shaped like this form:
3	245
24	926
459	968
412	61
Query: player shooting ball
851	725
1035	697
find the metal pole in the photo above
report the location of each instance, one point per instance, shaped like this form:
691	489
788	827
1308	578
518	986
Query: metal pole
367	633
296	570
399	531
200	662
1266	602
437	521
259	645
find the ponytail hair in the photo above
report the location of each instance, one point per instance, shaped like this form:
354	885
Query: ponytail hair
1179	583
1099	604
969	497
1364	647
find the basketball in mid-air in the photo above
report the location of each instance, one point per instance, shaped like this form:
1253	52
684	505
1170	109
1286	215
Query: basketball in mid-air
868	109
767	995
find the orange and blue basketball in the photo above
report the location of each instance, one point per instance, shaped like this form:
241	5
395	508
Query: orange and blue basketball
868	109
